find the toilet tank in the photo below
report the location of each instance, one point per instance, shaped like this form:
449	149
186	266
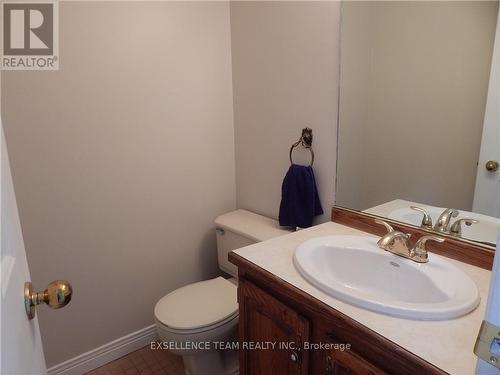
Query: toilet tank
242	228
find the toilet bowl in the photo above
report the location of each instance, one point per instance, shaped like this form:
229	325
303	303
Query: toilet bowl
199	321
194	321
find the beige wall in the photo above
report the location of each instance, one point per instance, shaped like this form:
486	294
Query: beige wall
285	76
416	72
121	160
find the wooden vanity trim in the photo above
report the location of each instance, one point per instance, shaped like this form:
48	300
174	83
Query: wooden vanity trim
464	251
328	322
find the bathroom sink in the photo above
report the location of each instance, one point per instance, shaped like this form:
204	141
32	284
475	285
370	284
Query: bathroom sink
355	270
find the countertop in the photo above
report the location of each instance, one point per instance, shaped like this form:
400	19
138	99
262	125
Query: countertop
446	344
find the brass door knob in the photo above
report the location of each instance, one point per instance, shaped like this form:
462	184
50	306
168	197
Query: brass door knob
492	165
57	295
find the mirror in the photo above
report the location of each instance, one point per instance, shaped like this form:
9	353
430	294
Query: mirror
419	119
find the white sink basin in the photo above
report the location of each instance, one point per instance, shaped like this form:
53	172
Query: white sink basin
355	270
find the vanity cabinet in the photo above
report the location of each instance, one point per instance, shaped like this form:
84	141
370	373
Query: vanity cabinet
278	330
349	363
308	335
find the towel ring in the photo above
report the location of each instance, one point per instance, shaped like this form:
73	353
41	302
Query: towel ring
306	141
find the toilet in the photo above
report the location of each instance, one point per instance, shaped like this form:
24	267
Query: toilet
195	320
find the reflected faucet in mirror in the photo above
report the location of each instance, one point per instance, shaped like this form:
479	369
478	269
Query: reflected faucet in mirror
443	223
426	220
398	243
456	228
485	229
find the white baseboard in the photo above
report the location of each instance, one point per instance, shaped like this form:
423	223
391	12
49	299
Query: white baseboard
108	352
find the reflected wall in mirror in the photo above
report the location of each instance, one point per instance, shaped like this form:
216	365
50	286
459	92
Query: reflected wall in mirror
420	115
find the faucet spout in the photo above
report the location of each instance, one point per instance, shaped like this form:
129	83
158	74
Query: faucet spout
443	221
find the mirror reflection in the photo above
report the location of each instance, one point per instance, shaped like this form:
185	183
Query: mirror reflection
419	125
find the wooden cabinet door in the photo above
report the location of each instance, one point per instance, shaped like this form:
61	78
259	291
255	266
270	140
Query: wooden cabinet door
349	363
264	319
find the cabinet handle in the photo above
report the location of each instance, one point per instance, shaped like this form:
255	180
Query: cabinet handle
329	367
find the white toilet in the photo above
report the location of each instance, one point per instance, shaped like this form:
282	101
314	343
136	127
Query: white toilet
194	315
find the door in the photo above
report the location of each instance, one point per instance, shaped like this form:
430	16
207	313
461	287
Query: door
277	328
487	191
21	346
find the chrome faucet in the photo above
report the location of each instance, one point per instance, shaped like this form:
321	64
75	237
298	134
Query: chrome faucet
398	243
443	221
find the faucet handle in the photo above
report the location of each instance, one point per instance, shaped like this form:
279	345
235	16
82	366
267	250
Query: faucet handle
386	225
390	229
456	228
419	252
394	241
426	220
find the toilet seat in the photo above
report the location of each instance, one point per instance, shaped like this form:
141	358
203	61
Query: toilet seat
229	321
198	307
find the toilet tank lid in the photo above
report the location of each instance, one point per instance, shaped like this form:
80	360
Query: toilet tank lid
251	225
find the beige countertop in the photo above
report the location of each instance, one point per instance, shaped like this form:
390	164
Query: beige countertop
446	344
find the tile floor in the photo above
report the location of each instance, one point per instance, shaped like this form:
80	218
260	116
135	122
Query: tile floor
143	362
